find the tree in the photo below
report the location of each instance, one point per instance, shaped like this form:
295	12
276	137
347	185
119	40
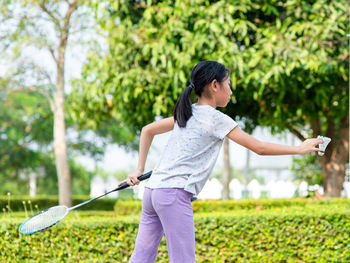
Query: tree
26	143
288	63
226	175
24	130
299	73
44	26
306	168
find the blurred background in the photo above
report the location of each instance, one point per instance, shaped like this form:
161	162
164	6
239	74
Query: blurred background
78	81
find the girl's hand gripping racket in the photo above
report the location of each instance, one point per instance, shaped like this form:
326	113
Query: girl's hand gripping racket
55	214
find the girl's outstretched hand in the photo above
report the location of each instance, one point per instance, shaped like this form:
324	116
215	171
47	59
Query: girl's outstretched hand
132	178
309	145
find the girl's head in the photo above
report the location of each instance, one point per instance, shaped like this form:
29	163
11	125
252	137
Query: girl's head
208	79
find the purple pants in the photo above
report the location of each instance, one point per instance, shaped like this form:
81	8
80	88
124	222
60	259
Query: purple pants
169	211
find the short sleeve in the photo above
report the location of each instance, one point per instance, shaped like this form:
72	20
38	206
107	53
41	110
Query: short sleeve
223	124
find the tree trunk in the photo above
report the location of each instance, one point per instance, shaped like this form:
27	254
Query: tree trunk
335	158
62	167
226	177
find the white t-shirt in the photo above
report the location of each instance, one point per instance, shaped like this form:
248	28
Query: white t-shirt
191	152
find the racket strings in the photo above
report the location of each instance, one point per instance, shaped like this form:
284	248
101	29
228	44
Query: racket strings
44	219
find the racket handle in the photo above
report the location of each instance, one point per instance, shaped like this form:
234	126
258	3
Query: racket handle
141	178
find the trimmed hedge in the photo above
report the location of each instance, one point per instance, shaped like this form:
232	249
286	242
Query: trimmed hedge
318	233
20	203
122	207
204	206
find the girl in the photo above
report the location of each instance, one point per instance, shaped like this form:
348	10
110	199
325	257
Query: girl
198	131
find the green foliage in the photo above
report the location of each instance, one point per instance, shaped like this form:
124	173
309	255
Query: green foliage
81	179
123	208
26	144
25	135
310	233
18	184
15	203
307	168
298	68
108	129
34	38
288	60
48	185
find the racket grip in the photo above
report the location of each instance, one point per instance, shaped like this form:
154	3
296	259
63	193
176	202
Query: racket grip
141	178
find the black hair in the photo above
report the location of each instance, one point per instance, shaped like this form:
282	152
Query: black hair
201	75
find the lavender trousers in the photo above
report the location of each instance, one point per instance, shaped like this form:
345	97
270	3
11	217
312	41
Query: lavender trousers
169	211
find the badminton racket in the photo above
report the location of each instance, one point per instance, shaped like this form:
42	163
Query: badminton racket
55	214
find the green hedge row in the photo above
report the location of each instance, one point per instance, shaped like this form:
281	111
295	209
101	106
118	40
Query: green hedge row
204	206
292	234
20	203
122	207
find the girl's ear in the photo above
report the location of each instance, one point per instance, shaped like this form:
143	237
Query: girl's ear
211	88
214	85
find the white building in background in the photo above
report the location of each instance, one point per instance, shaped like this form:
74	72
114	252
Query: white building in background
303	189
254	189
99	186
211	190
111	183
346	189
346	185
236	189
280	189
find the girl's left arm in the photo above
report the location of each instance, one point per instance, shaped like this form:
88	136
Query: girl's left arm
266	148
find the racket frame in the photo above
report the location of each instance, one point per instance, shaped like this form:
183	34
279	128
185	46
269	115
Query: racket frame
44	211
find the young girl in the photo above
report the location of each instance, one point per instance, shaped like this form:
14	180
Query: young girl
198	131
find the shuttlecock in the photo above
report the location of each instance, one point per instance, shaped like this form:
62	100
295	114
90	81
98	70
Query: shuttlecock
323	145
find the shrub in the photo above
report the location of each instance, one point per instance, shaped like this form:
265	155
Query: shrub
20	203
311	233
204	206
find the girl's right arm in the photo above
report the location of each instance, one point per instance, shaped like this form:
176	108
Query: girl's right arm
266	148
147	134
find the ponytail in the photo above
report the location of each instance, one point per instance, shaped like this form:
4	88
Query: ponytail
201	75
183	107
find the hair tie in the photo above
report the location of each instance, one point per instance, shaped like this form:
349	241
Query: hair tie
192	86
